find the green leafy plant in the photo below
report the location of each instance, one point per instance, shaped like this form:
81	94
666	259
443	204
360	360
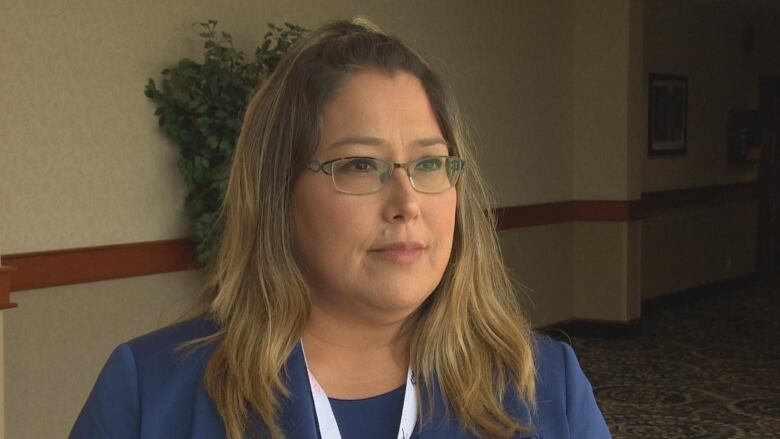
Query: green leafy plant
200	107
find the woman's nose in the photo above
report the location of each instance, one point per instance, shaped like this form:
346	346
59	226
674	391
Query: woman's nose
402	202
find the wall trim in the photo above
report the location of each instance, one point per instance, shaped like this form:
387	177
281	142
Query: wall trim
672	299
565	329
5	288
579	210
88	264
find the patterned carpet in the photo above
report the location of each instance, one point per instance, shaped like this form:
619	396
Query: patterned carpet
704	367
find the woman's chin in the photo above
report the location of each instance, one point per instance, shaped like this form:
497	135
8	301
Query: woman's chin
397	304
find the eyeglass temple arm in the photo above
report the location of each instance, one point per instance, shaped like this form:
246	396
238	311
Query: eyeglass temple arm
317	166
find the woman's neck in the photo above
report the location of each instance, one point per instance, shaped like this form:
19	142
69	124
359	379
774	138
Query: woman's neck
354	360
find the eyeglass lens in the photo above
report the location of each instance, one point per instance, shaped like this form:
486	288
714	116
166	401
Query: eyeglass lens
363	175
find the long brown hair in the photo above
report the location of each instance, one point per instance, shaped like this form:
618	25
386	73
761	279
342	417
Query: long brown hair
470	336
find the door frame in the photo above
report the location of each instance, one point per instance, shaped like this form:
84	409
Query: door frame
768	230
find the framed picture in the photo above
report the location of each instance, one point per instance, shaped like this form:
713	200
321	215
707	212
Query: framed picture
668	114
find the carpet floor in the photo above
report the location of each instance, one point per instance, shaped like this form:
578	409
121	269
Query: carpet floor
706	367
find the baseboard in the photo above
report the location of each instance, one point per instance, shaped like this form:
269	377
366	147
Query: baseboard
692	294
615	328
592	328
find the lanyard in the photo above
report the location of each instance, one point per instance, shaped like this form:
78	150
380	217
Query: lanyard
329	429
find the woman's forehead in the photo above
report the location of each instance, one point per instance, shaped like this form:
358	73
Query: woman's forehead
376	108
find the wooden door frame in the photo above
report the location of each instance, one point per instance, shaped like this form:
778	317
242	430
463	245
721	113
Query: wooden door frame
768	230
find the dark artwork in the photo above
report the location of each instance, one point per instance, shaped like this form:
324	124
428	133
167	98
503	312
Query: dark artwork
668	114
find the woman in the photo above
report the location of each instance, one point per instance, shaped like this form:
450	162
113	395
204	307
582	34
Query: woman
359	290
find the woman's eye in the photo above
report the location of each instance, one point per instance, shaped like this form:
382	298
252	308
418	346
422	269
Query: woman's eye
358	165
431	164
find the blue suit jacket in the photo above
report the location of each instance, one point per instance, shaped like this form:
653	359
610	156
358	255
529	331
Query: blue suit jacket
148	391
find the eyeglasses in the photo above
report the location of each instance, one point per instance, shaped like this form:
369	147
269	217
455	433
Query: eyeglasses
366	175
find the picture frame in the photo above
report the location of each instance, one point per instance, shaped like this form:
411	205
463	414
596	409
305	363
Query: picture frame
668	114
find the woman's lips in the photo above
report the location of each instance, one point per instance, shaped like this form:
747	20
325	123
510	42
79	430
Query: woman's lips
399	255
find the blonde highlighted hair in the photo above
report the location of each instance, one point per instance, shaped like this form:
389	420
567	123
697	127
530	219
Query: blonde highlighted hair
470	336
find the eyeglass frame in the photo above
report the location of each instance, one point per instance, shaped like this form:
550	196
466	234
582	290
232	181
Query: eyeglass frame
327	169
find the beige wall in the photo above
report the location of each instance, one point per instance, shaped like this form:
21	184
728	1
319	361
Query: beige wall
549	87
600	102
58	339
538	258
685	248
606	271
75	73
607	133
694	246
697	39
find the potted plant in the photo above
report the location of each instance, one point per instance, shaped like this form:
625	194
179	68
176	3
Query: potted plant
200	107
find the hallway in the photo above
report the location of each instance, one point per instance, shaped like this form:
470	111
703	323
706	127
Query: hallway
703	367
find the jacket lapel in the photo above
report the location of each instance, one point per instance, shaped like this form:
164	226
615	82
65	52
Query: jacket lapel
297	413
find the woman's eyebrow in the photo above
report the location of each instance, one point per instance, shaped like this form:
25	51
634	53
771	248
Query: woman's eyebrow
376	141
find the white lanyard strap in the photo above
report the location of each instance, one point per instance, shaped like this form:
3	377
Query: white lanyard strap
329	429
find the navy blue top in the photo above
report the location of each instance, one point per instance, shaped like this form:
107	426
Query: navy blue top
377	417
148	390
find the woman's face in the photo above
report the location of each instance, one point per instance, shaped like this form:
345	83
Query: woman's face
374	257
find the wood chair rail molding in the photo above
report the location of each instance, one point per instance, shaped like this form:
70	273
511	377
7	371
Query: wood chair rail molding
550	213
5	287
88	264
